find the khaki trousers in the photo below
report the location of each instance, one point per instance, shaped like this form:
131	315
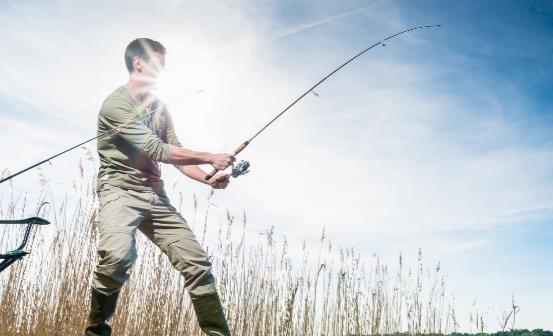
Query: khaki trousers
121	213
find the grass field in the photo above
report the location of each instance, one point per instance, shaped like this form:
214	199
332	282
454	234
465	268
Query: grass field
265	290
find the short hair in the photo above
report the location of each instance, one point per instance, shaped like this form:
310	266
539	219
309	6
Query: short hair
142	47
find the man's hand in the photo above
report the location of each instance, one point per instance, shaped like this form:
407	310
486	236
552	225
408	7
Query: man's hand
219	181
221	161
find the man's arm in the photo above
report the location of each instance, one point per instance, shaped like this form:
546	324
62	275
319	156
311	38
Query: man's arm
119	114
219	181
185	157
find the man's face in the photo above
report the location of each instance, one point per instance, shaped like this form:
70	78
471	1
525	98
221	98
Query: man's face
150	70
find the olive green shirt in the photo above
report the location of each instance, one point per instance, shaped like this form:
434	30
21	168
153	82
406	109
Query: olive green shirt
129	158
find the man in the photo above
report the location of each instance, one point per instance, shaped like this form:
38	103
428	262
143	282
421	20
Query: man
131	193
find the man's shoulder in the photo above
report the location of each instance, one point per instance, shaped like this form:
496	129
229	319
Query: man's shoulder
117	99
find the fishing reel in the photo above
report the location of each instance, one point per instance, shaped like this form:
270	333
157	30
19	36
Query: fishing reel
241	168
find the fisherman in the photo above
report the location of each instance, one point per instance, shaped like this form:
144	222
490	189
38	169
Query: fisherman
131	194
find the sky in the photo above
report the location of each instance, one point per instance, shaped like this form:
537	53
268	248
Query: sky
440	140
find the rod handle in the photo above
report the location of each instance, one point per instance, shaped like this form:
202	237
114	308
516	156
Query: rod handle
236	152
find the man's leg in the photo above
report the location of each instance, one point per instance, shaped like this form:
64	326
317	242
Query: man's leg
101	308
118	219
169	230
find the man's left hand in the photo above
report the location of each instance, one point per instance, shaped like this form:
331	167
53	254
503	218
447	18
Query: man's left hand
219	181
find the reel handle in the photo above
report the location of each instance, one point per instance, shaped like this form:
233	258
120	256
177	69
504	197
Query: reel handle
236	152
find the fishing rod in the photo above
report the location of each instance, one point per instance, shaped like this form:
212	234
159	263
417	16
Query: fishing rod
242	167
109	132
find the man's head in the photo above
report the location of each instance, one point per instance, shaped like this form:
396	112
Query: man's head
145	58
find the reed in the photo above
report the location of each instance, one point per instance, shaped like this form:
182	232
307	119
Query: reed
265	288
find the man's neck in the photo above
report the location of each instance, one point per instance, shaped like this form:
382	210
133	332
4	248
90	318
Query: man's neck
139	89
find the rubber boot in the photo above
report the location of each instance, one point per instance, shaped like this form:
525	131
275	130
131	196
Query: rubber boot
101	308
210	314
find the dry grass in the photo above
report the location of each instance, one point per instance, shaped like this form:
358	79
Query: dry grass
264	289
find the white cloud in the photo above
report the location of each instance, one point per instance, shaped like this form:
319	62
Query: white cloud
376	147
305	26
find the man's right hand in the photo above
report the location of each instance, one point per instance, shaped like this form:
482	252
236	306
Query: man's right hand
221	161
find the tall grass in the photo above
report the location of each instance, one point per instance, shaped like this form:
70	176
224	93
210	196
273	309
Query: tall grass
264	288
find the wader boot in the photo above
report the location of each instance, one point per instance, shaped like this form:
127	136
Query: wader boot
210	314
101	308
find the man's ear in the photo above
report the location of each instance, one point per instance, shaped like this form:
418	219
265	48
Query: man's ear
137	63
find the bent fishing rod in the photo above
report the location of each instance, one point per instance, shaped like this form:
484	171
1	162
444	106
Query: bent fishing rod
243	166
109	132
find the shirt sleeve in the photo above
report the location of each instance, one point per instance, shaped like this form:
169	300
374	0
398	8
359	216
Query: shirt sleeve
171	134
119	113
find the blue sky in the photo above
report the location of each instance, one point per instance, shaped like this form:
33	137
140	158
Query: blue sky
440	140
